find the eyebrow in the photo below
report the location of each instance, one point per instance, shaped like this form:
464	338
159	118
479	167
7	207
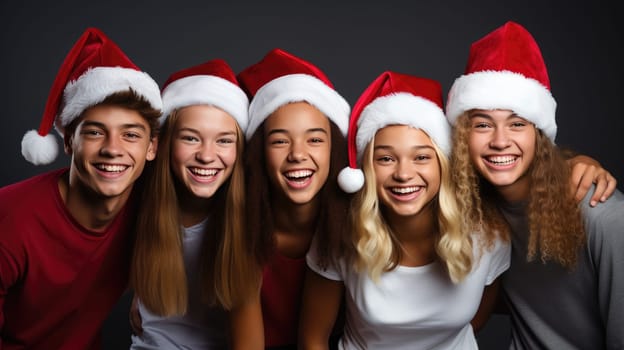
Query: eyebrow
276	131
487	116
388	147
223	133
103	126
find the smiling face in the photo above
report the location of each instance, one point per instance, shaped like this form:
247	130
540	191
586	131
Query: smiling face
297	149
109	148
502	148
203	149
406	169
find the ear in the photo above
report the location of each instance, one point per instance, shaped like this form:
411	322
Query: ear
152	148
68	139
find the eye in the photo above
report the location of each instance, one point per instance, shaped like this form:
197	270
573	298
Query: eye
422	157
278	142
480	125
132	135
317	140
91	132
189	138
226	140
384	159
518	124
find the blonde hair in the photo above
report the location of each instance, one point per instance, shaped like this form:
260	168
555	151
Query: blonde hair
555	222
158	273
376	249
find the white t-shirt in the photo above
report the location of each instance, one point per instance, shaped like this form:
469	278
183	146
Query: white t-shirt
202	327
414	307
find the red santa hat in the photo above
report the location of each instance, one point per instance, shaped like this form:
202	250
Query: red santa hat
210	83
94	69
506	71
281	78
393	99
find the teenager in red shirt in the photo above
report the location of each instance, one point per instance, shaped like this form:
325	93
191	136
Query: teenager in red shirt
65	236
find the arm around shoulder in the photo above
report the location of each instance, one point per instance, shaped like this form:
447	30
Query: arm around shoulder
605	230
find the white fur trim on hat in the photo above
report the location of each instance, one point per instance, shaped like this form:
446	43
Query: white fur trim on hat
403	109
295	88
208	90
38	149
94	85
504	90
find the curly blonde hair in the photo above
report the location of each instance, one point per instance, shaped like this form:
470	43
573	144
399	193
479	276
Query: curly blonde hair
376	248
555	222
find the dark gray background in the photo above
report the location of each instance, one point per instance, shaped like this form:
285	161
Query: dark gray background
352	42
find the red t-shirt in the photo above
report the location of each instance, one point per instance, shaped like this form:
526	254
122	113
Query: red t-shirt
58	280
282	285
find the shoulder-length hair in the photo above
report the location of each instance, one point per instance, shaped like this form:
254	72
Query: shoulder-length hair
158	274
376	247
330	231
555	222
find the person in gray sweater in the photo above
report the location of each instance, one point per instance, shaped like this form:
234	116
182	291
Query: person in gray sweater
565	286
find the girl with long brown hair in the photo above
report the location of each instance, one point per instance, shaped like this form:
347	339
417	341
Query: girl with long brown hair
191	259
296	146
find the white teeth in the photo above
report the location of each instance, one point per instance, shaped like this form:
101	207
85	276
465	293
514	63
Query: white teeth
111	168
204	172
405	190
501	160
297	174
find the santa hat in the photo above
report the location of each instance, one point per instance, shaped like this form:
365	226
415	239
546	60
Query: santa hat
506	71
210	83
94	69
393	99
281	78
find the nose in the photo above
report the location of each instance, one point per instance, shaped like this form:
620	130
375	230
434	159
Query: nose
112	147
297	152
206	153
500	139
403	172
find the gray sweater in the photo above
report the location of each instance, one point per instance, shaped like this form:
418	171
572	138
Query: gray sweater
553	308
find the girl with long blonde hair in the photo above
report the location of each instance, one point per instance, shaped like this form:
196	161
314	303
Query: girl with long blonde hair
413	277
191	260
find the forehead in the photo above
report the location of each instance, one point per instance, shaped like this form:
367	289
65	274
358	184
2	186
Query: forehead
399	136
204	117
493	113
113	117
297	117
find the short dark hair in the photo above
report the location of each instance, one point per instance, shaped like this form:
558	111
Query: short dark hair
129	99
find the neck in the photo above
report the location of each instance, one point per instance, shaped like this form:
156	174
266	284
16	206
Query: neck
87	208
295	225
416	235
296	218
517	192
192	209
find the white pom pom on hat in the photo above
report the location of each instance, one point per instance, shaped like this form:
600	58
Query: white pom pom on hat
94	68
393	99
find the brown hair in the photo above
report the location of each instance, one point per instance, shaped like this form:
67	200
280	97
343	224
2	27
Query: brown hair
331	233
555	222
129	99
158	273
